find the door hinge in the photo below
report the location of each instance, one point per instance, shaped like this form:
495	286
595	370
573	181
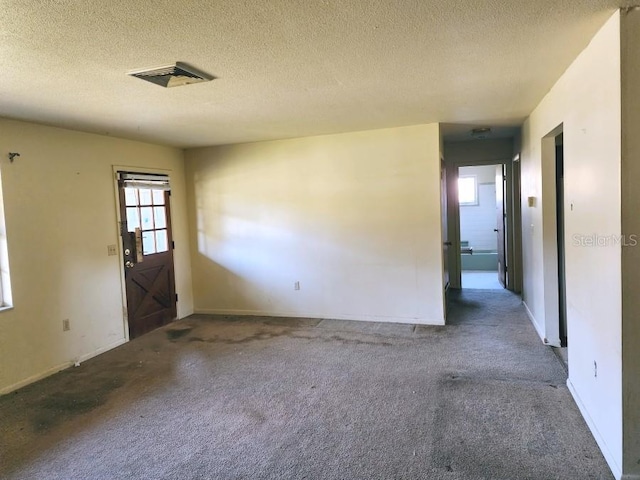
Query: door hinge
173	245
176	297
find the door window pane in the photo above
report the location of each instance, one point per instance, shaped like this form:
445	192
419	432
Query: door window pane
158	197
130	196
160	216
148	243
133	220
145	196
146	217
162	245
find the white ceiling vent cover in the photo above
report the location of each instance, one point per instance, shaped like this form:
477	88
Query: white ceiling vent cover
172	75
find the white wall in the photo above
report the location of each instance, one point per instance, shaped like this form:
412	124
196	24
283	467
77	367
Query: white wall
483	173
60	208
355	218
586	100
631	229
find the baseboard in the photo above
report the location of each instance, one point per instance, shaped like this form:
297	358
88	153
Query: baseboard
628	476
608	456
87	356
360	318
58	368
538	328
35	378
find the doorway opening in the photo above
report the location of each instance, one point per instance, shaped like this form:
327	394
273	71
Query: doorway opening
481	198
147	246
553	235
562	303
562	307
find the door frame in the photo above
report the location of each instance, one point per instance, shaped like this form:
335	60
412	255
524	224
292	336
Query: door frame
513	231
116	190
444	219
550	234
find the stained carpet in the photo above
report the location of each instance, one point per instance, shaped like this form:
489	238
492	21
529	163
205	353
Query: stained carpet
262	398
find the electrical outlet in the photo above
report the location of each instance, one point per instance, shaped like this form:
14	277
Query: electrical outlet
296	286
112	250
66	325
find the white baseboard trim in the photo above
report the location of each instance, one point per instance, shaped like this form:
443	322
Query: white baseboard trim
608	456
35	378
533	321
95	353
58	368
361	318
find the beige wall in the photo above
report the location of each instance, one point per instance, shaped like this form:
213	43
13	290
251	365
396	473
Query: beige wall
355	218
586	101
631	229
60	208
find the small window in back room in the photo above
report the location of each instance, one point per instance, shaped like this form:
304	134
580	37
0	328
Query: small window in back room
5	281
468	190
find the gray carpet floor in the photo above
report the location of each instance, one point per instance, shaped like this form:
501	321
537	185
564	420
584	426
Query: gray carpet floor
262	398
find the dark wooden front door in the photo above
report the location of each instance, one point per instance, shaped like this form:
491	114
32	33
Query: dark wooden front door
148	256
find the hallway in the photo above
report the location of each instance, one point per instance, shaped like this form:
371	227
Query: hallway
272	398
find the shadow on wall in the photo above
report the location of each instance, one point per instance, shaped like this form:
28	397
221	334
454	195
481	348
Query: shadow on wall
233	292
268	225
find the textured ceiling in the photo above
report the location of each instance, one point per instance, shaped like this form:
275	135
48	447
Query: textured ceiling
285	68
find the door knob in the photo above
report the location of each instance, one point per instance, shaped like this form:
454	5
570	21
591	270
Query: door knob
128	264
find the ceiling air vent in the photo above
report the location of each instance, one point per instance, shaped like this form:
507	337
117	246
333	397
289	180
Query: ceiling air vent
481	133
172	75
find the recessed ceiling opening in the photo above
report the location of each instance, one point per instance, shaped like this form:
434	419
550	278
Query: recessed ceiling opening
172	75
481	133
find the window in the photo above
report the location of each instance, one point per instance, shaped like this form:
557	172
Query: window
468	190
147	211
5	281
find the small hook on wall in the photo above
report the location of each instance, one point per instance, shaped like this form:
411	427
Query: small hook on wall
12	156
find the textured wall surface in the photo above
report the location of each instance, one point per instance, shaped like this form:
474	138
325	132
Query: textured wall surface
354	218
